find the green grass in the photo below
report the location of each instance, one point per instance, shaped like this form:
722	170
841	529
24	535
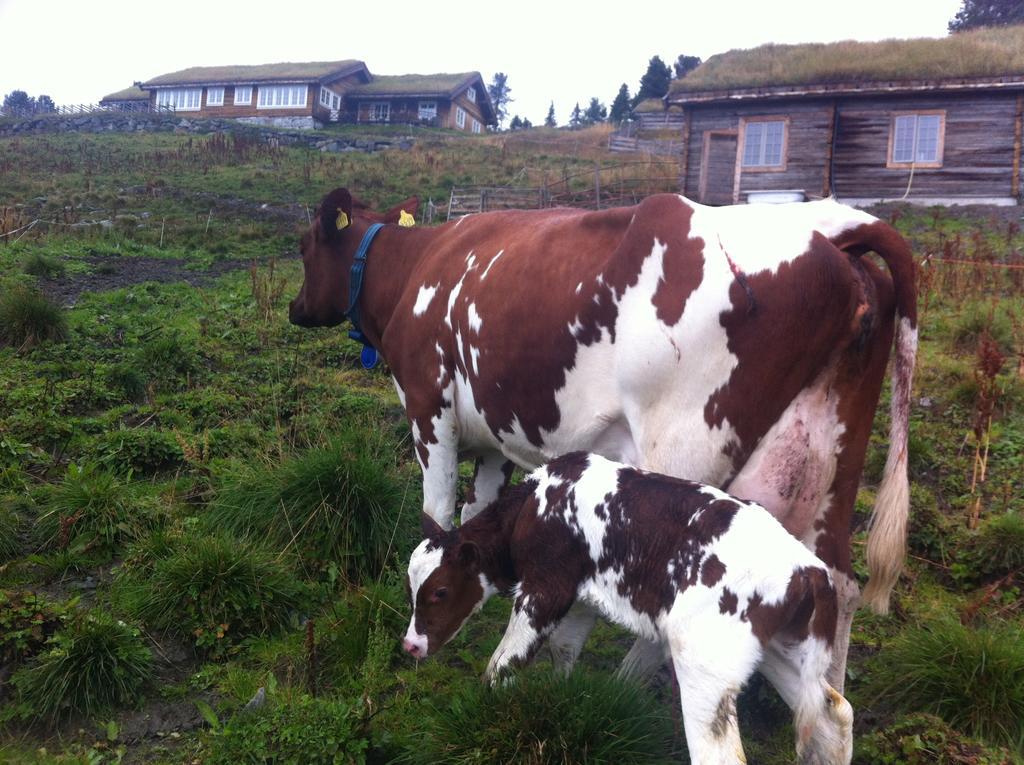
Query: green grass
212	589
342	506
96	663
971	678
28	319
544	718
92	509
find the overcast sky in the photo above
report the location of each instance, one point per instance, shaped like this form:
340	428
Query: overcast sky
76	51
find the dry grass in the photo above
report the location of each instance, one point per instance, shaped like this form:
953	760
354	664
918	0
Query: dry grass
979	53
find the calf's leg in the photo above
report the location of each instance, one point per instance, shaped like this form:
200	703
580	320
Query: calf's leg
567	639
823	718
713	657
644	658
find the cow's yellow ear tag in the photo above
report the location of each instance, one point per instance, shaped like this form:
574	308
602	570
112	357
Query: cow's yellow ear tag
342	221
405	219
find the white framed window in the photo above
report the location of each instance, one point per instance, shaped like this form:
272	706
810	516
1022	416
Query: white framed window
243	95
335	101
917	139
215	96
477	127
764	144
471	94
180	99
326	97
281	97
380	111
460	116
427	110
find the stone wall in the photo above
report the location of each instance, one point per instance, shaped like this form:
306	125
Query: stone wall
117	122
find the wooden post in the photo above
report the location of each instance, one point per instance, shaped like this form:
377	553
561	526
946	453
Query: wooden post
686	151
832	126
1015	180
597	186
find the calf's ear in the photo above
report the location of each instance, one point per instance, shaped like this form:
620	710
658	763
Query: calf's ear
335	214
431	528
469	554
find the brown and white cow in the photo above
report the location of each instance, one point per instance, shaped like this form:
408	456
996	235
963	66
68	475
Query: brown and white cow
717	581
743	347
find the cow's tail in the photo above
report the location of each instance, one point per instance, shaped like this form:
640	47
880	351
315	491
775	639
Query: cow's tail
887	536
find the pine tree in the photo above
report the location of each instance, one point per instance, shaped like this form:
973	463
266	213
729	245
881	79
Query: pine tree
549	121
527	124
685	64
576	118
987	13
501	95
595	113
655	82
620	106
515	124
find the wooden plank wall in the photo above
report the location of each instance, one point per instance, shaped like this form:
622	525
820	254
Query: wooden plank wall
977	158
808	143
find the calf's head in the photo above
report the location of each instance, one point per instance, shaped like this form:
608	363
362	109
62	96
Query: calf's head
328	247
446	587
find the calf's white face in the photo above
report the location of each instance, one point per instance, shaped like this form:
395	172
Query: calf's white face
445	588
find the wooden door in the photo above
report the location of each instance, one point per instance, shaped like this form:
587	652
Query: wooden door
718	167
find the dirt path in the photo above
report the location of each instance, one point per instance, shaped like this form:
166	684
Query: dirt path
114	272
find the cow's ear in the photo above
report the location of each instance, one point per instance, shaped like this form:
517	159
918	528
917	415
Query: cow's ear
403	212
469	554
431	528
335	213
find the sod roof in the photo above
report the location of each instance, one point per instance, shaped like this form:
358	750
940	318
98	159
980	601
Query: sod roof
246	73
134	93
981	53
424	85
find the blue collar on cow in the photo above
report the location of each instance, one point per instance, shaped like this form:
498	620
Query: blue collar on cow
368	357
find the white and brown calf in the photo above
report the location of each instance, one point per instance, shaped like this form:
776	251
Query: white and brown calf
716	580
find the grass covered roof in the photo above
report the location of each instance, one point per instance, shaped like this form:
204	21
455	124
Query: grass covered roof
244	73
415	84
990	52
134	93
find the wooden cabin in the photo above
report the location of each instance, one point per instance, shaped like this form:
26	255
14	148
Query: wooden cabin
312	94
456	101
929	121
131	99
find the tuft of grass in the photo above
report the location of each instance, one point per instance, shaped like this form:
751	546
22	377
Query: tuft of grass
10	532
544	718
27	318
339	507
971	678
92	509
214	588
999	545
94	664
43	266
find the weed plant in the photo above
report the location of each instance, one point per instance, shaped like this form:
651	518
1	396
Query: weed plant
341	507
27	318
27	621
300	731
923	739
348	630
96	663
971	678
214	588
10	532
545	718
